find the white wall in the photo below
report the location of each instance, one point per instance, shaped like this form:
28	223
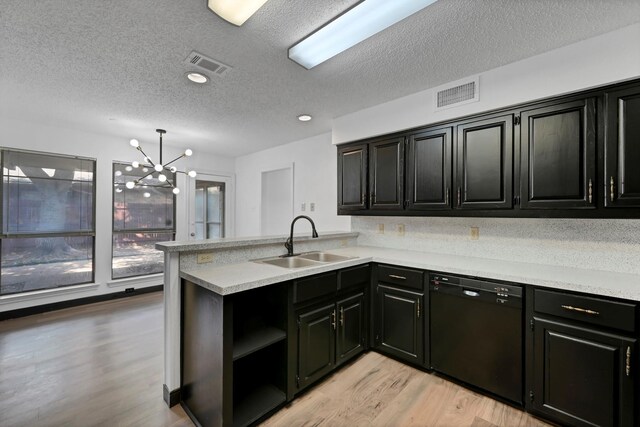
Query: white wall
315	180
608	58
105	149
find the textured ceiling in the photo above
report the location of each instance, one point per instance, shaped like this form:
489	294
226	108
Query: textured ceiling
117	67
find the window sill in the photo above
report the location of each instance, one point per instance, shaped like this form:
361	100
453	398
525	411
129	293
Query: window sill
46	293
152	279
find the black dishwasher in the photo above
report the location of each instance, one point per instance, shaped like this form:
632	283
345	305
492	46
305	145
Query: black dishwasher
476	333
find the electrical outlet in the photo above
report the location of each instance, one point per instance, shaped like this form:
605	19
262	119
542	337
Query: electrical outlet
475	233
205	258
344	243
380	228
303	207
401	230
312	207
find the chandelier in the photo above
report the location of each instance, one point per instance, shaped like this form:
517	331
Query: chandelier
159	167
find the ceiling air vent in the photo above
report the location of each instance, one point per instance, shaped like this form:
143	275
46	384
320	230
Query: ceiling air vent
211	65
460	94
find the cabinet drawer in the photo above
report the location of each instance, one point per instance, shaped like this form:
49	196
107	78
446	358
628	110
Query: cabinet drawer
314	287
352	277
597	311
400	276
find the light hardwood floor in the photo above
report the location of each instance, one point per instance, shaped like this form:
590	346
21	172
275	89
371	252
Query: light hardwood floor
101	365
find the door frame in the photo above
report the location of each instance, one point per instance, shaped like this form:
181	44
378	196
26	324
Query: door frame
287	165
229	202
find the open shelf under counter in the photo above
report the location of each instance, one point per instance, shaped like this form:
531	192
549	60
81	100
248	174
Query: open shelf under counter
256	403
255	340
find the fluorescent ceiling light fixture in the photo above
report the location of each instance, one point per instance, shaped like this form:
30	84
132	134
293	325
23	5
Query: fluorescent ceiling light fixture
357	24
235	11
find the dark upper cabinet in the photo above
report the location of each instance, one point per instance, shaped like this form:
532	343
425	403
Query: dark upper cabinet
622	148
351	328
484	163
558	156
316	343
399	319
352	177
583	377
386	174
429	170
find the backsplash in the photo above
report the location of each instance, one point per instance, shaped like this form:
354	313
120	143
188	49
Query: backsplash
601	244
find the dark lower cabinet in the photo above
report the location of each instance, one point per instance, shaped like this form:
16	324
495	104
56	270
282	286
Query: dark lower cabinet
582	376
622	148
484	160
399	323
351	329
558	156
582	359
316	343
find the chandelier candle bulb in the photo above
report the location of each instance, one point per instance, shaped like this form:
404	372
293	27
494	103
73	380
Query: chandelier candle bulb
192	174
176	190
162	178
134	143
188	152
158	168
135	164
130	185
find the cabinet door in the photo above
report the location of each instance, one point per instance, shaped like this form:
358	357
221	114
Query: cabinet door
316	343
351	328
583	377
558	156
484	159
352	177
400	323
429	170
386	165
622	148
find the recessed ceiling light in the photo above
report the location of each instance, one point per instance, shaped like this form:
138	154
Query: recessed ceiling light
304	117
235	11
197	78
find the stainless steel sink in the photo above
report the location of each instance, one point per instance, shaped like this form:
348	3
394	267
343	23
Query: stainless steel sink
304	260
289	262
324	257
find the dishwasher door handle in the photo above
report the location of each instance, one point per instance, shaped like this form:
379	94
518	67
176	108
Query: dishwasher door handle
471	293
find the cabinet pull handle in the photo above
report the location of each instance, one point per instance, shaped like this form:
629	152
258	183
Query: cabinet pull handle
333	319
628	364
341	316
580	310
393	276
590	191
611	193
372	198
418	309
459	196
446	195
364	199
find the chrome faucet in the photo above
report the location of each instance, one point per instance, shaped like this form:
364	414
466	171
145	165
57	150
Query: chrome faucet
289	243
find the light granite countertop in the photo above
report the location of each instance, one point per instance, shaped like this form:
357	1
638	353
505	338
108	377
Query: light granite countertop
239	242
233	278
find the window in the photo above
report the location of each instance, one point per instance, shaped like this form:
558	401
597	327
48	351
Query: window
209	216
48	227
142	216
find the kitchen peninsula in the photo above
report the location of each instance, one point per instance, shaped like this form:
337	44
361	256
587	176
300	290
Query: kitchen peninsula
296	306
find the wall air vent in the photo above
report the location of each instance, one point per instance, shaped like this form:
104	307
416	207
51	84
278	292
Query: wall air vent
460	94
214	67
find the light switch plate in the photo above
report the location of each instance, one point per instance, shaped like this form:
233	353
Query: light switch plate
312	207
303	207
205	258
